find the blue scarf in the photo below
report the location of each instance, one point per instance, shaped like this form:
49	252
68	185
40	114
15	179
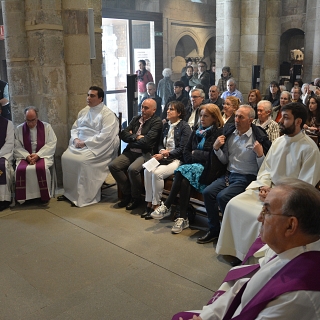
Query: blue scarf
202	133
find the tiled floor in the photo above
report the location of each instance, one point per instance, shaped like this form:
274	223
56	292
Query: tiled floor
99	262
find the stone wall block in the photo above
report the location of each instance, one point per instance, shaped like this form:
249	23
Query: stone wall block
78	78
76	102
14	45
76	4
75	21
16	29
250	26
77	49
19	80
46	47
249	43
13	6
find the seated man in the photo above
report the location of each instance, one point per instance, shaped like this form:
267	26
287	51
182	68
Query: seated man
151	91
193	108
292	155
34	148
142	136
243	151
264	109
282	285
232	91
93	145
214	97
6	156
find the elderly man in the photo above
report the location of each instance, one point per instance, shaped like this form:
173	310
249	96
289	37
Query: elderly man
151	90
243	150
6	157
34	148
292	155
232	91
264	109
142	136
283	285
295	94
93	145
192	111
285	98
202	77
214	97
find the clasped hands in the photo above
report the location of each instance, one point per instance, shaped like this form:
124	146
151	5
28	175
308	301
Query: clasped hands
161	155
32	158
78	143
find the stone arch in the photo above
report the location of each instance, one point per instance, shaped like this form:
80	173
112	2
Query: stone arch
291	39
186	47
209	51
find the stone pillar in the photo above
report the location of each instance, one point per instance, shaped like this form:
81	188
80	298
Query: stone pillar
219	38
316	47
17	57
309	42
272	43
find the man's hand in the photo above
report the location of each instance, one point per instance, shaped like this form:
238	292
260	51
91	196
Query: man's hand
139	137
193	318
263	192
32	158
78	143
258	149
158	156
219	142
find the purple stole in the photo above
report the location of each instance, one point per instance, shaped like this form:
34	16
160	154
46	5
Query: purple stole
299	274
3	135
40	165
257	245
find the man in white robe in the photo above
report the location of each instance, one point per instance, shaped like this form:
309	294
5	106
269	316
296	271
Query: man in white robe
34	146
283	285
93	144
6	157
292	155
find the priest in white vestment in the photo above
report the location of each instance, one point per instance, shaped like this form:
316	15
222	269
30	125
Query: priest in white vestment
93	144
292	155
34	148
283	285
6	157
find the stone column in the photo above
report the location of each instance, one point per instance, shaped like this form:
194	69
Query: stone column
309	40
316	46
17	57
272	42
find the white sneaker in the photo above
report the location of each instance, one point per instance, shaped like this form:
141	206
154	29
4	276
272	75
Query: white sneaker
160	212
180	225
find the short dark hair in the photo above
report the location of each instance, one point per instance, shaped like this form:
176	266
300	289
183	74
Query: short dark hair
100	91
298	111
203	62
143	62
303	202
178	84
179	106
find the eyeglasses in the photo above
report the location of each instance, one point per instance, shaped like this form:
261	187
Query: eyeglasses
32	120
264	212
171	109
195	97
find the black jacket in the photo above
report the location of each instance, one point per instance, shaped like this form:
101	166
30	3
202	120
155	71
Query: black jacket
259	133
182	133
218	103
151	131
188	114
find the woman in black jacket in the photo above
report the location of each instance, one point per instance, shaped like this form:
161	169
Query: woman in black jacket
175	135
196	157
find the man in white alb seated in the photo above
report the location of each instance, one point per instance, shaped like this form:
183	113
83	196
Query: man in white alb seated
284	284
34	148
292	155
6	157
93	145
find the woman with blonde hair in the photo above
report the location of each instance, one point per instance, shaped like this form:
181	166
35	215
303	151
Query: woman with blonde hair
195	171
230	106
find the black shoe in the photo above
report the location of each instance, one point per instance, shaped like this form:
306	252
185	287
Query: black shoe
146	212
209	237
235	262
124	202
4	205
62	198
134	203
148	216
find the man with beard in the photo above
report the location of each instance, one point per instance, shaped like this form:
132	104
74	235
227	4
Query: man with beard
292	155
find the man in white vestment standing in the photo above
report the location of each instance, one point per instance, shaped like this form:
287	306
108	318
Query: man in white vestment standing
34	148
93	144
284	284
292	155
6	157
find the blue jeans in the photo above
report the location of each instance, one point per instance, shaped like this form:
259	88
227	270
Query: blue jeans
217	194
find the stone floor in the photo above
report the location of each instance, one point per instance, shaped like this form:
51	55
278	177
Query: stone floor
99	262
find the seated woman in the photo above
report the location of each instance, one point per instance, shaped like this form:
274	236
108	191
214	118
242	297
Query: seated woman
192	174
254	96
274	93
285	98
230	106
312	125
175	135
